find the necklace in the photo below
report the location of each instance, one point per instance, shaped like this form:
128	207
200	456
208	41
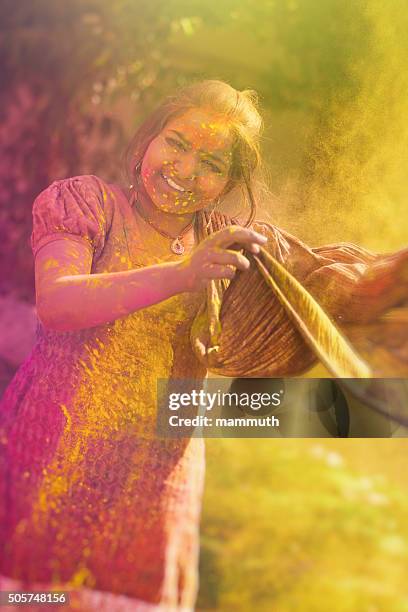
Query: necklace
176	245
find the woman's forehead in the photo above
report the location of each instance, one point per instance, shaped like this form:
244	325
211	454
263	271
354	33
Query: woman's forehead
203	129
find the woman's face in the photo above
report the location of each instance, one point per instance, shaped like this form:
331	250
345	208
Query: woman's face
186	167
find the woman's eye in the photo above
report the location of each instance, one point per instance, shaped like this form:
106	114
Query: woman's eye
176	143
213	166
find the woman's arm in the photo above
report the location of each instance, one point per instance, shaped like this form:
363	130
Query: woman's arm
70	298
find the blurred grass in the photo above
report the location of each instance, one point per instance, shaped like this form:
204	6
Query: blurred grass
305	525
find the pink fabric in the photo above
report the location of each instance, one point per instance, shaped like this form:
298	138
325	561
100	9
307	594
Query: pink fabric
90	497
74	208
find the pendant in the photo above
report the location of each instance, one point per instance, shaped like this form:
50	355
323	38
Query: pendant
177	246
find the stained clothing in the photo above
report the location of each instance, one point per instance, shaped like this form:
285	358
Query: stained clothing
90	496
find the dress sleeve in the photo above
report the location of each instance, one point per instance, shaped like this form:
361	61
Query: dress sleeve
351	283
71	208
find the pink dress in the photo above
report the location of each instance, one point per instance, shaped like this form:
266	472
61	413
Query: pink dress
91	498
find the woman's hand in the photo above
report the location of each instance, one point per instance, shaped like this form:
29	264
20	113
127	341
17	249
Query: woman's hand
212	259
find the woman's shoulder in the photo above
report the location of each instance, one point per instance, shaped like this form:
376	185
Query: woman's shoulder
87	182
81	206
82	192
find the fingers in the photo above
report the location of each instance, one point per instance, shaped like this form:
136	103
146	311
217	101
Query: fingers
212	259
237	234
233	258
213	271
254	248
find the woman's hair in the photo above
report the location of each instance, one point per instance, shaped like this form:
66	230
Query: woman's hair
239	108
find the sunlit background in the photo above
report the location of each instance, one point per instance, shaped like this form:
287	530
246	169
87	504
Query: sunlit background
287	524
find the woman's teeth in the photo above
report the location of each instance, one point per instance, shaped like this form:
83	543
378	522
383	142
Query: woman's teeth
172	184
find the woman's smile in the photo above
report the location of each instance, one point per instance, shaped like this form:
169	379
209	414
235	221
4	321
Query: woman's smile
173	184
176	196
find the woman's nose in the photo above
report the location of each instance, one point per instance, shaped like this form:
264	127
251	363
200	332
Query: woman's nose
186	167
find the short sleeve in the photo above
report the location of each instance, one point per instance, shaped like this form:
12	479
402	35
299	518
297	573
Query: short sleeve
72	208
